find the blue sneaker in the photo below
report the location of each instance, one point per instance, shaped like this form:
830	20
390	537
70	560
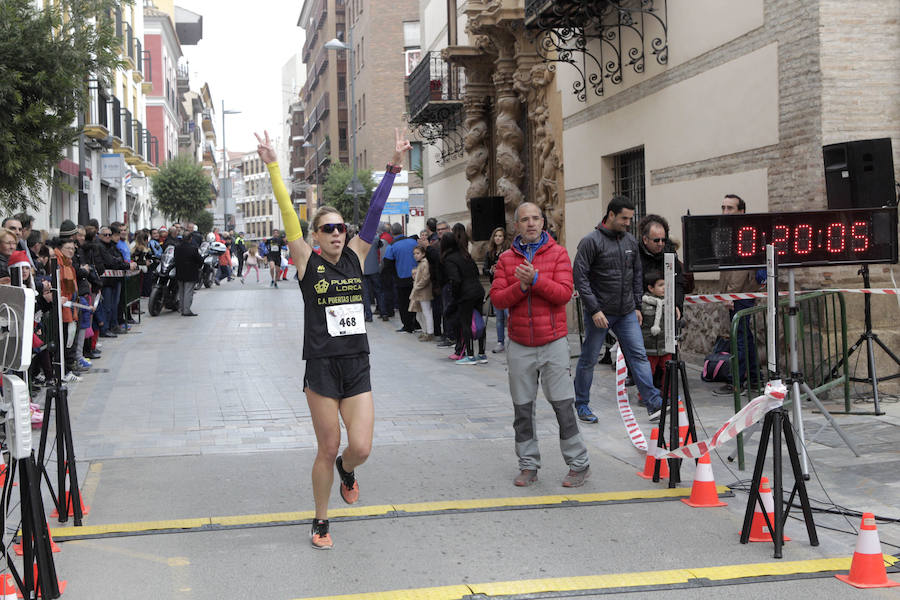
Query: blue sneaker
585	414
467	360
481	359
85	363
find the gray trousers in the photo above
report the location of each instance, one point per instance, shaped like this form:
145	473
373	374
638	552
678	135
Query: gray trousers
549	365
186	295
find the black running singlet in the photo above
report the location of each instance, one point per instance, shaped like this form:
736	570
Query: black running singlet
333	307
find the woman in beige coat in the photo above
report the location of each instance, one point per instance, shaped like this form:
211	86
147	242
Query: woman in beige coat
421	296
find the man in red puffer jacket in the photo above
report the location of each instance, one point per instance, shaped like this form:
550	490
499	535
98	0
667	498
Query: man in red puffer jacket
533	279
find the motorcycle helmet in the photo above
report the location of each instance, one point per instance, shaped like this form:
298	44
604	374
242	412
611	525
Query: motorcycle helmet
218	247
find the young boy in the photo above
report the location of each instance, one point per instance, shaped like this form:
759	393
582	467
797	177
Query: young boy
652	327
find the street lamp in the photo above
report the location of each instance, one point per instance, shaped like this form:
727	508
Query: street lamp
225	174
355	188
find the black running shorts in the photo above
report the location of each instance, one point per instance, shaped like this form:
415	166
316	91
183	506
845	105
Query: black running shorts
338	377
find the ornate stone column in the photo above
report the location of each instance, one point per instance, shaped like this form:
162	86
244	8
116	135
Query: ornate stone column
510	137
478	64
533	81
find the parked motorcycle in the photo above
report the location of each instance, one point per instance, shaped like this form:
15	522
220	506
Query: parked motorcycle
165	286
210	251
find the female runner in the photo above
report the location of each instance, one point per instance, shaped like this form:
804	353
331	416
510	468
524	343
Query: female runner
335	346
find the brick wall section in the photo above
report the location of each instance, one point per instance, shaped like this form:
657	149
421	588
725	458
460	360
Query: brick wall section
382	77
860	58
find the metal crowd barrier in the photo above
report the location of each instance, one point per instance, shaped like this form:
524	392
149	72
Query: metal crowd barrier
131	292
821	342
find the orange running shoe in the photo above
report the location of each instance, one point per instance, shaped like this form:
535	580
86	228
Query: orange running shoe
349	486
319	536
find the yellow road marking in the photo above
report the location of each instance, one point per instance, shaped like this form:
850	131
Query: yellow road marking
610	581
370	511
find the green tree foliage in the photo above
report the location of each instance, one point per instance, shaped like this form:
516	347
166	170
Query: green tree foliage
304	227
46	58
335	192
204	221
181	189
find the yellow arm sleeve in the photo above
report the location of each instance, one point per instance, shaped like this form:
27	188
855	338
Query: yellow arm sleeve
288	216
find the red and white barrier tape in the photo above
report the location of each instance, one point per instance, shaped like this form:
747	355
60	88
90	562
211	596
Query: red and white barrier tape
755	410
713	298
631	424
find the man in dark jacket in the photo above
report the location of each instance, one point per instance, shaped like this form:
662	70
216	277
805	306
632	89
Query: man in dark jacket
609	280
112	284
187	270
654	244
400	255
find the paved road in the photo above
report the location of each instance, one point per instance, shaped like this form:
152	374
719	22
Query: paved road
204	418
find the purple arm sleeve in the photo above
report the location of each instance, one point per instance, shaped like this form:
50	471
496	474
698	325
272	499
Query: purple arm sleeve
379	197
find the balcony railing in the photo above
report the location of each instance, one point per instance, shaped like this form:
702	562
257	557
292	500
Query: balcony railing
139	139
129	42
436	89
323	106
324	150
152	148
139	56
322	60
127	129
116	118
98	117
182	78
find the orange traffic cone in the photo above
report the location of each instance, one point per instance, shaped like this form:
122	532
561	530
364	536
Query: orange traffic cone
650	462
8	587
17	548
759	531
682	424
867	569
60	584
703	492
85	509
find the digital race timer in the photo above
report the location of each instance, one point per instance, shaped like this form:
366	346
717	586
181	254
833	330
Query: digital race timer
825	237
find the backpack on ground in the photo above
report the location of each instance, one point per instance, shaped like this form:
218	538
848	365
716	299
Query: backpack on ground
717	364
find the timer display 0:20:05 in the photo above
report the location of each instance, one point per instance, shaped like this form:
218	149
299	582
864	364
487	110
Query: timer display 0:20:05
803	238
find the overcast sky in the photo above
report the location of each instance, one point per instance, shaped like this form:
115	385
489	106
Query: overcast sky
244	46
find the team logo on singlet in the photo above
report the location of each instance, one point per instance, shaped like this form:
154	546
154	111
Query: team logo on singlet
320	269
321	287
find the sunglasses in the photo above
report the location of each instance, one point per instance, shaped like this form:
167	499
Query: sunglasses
657	240
332	227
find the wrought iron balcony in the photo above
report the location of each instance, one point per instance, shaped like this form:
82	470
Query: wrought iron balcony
97	119
138	73
182	78
128	42
323	106
116	119
436	89
139	147
621	32
127	129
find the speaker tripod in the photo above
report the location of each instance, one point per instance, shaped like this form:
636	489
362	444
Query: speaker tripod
869	338
776	424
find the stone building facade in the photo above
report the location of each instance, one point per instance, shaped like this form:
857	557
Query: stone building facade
682	103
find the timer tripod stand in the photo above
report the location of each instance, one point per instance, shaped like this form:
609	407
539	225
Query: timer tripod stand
869	338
